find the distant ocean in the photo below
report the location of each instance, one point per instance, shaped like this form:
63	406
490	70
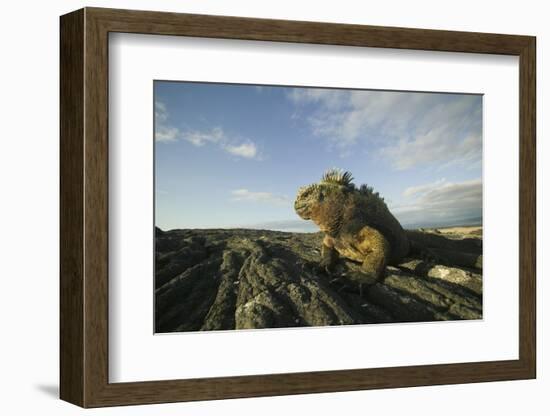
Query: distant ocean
299	226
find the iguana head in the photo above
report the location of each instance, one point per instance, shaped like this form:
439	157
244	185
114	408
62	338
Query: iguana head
308	198
322	202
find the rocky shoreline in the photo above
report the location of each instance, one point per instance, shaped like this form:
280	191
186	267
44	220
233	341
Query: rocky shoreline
223	279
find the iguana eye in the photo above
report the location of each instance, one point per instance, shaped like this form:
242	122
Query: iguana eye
304	191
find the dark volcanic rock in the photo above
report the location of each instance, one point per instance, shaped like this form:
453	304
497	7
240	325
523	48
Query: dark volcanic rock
236	279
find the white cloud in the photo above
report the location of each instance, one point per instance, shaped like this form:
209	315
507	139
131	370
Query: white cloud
421	189
441	202
410	129
160	111
167	133
441	145
246	150
163	132
200	138
250	196
330	98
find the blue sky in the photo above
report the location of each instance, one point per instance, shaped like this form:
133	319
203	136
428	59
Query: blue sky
229	155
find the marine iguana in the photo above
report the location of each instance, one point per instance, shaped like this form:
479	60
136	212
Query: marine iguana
357	224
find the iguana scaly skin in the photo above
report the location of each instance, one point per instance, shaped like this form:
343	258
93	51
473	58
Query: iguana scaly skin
357	225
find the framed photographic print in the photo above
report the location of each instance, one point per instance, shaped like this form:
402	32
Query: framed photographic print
255	207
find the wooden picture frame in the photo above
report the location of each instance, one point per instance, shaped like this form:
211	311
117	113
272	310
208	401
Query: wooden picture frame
84	207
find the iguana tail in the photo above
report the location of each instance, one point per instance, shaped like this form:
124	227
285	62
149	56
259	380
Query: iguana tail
435	248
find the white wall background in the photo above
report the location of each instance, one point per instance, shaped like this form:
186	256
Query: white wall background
29	85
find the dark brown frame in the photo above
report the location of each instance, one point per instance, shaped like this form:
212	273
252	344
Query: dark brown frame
84	208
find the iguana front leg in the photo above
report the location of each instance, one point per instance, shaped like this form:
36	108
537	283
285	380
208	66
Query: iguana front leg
376	252
329	255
